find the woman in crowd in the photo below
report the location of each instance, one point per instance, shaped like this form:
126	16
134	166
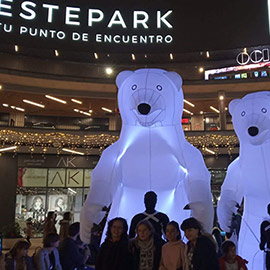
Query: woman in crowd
145	250
17	258
173	252
200	250
64	224
113	253
49	225
47	258
230	260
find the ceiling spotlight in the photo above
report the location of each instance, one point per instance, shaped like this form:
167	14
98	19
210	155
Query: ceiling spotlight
33	103
209	151
171	56
86	113
90	111
19	109
56	99
1	87
207	54
201	69
189	103
109	70
72	151
56	52
201	112
96	55
221	97
214	109
12	107
145	56
8	148
5	105
76	101
76	110
187	111
226	108
16	48
133	57
106	109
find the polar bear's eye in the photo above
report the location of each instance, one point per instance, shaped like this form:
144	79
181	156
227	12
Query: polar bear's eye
134	87
243	113
263	110
159	87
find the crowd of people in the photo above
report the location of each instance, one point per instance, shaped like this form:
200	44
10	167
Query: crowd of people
155	244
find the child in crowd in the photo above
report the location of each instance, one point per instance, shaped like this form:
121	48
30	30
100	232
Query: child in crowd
172	257
17	258
145	250
113	253
47	258
230	260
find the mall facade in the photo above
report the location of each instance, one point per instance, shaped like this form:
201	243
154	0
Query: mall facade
58	98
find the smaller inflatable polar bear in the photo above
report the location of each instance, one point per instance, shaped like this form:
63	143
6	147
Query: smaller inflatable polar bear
248	176
151	154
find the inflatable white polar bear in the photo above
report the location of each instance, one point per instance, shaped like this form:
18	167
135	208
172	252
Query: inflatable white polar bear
151	154
248	176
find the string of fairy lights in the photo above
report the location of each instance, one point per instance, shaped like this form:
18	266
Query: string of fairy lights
60	141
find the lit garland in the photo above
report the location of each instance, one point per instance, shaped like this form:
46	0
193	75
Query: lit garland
60	140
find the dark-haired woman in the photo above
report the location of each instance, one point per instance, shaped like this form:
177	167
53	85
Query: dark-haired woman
17	258
113	253
47	258
64	224
49	225
201	250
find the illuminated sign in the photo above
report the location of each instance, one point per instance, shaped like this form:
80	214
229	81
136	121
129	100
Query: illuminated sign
144	26
254	57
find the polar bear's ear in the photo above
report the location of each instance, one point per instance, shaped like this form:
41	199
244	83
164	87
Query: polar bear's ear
175	78
233	104
122	76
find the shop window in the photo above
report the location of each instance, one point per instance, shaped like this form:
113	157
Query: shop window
57	178
32	177
41	190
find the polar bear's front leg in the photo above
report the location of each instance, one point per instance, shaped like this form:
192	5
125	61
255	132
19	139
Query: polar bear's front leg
105	180
231	195
198	186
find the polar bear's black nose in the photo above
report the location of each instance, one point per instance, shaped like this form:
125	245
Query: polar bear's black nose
144	108
253	131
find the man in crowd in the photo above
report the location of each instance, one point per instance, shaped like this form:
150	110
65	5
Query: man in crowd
70	255
158	220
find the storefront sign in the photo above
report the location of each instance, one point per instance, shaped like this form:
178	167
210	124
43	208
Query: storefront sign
255	57
144	26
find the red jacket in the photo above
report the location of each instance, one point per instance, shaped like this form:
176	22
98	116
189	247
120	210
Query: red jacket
241	263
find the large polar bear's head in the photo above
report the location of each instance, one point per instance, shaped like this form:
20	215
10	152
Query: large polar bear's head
150	97
251	117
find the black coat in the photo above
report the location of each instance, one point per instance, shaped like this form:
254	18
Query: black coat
134	254
113	256
70	255
204	255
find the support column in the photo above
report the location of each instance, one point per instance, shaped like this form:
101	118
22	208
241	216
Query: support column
222	111
115	123
16	119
